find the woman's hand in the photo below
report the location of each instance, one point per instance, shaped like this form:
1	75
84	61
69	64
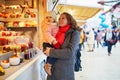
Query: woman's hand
47	51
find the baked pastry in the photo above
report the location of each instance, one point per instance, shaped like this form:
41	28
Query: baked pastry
2	71
5	64
14	60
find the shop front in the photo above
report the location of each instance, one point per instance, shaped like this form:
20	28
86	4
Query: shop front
21	57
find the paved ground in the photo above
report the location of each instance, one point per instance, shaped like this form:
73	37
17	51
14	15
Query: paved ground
98	65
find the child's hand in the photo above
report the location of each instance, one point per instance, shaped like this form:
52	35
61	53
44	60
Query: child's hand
54	42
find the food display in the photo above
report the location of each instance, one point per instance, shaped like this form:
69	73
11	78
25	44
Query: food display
2	71
5	63
21	24
30	53
26	19
3	41
7	40
11	41
6	48
14	60
2	27
8	33
16	27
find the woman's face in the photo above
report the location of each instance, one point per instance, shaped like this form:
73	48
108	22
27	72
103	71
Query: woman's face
49	19
62	20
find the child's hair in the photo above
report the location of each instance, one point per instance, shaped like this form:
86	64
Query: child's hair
51	14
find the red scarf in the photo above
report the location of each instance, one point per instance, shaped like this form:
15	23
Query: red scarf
60	36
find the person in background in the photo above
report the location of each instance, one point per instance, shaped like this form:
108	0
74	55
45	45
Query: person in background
99	38
49	30
78	66
95	36
82	39
119	35
64	66
115	31
109	35
90	40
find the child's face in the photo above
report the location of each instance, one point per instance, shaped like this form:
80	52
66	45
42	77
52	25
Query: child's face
49	19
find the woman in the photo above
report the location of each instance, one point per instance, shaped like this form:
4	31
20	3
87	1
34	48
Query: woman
64	66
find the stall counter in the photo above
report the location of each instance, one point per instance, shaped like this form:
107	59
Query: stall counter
28	70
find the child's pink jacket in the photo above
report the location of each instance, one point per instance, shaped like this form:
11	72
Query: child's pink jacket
49	31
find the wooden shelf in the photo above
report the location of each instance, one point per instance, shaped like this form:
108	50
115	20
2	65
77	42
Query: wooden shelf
17	19
22	28
2	19
20	19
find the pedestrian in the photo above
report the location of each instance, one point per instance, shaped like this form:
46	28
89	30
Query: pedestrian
95	36
119	35
64	66
99	38
109	38
82	39
90	40
78	66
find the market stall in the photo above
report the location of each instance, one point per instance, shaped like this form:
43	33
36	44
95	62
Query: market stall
20	56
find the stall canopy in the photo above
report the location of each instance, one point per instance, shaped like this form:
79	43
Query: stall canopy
80	9
79	12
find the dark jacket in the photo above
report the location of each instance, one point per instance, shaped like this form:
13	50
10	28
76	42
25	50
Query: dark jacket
64	66
113	38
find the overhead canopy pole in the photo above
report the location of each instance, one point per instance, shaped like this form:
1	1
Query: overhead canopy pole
56	2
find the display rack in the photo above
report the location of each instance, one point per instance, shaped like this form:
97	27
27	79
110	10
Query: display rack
22	28
17	19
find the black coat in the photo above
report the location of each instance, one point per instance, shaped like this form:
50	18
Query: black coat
113	38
